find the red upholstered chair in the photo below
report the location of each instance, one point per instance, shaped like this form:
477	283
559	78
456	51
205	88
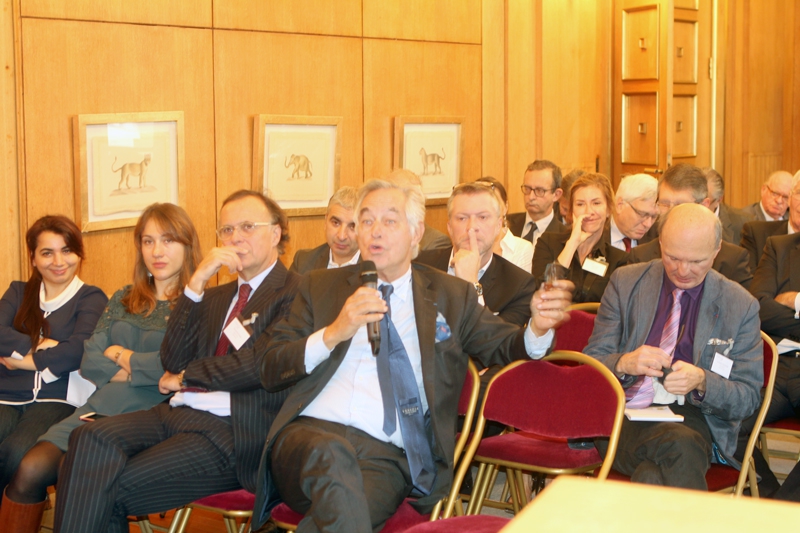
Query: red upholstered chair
583	401
234	506
723	478
459	524
574	334
406	516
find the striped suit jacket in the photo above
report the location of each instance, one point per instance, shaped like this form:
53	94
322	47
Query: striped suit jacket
191	339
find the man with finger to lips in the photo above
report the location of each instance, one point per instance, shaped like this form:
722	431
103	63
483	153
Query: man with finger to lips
678	333
340	442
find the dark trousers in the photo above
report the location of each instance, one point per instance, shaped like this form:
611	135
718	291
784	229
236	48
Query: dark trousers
142	463
341	478
785	403
20	426
675	454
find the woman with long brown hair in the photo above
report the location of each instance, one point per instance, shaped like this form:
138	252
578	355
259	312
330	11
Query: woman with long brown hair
122	357
43	325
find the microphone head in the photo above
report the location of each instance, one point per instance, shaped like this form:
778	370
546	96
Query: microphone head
369	273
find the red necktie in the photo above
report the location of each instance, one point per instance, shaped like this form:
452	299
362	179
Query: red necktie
627	242
224	343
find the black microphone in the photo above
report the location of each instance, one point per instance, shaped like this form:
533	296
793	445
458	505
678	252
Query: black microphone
369	278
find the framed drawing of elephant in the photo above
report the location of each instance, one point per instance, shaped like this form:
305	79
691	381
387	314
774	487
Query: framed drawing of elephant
125	162
296	161
431	147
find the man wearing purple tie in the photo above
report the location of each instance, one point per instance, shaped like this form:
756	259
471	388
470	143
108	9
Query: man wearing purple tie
697	350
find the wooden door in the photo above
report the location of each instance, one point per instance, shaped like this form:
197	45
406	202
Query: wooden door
663	110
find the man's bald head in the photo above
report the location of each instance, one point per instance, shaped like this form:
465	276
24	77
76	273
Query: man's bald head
690	238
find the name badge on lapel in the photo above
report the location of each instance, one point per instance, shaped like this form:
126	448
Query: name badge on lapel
598	266
238	332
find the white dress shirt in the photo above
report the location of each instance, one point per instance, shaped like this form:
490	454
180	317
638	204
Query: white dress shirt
353	260
352	397
541	226
517	250
617	236
216	402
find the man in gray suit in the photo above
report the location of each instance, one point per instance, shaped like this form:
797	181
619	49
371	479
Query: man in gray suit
695	347
340	248
732	219
774	198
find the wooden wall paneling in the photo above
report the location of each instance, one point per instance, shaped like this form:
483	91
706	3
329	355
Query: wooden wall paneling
791	89
445	81
73	68
523	94
284	75
493	93
457	21
196	13
736	105
342	17
576	57
10	268
719	52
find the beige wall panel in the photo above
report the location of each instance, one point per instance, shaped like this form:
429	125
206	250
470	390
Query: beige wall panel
446	82
639	47
523	69
765	76
493	104
9	191
164	12
284	75
575	65
341	17
73	68
457	21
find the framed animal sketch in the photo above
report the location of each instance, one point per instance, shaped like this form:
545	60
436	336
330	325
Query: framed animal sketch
430	147
296	161
125	162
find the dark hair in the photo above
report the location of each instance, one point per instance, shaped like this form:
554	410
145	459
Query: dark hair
279	217
30	318
544	164
175	222
684	176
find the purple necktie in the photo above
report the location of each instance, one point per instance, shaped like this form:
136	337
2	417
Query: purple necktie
640	394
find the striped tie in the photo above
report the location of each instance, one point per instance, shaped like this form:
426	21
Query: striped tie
640	395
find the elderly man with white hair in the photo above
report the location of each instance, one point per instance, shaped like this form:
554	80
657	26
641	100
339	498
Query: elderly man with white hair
635	211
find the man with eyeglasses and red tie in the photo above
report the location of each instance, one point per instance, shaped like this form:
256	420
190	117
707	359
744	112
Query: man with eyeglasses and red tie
208	438
541	189
635	210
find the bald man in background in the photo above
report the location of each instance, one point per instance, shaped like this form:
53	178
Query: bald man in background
774	198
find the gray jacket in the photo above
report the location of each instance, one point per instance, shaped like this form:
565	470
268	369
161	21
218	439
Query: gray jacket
727	311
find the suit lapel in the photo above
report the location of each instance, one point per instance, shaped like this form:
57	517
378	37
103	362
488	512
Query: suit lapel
706	316
425	311
265	292
642	311
218	313
794	263
323	258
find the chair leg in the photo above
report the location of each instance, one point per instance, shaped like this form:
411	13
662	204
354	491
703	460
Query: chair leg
180	520
479	489
523	489
513	485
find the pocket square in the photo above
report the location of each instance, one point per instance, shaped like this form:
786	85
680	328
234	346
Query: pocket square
442	329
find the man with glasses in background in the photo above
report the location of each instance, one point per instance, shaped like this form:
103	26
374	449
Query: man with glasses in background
774	198
635	211
756	233
208	438
541	189
685	184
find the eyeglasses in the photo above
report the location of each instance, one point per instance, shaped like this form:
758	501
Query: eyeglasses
537	191
245	228
478	183
642	214
778	196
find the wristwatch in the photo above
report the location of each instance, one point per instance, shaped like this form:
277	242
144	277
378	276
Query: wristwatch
183	380
478	288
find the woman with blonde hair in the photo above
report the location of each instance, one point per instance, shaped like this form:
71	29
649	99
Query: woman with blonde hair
121	358
584	251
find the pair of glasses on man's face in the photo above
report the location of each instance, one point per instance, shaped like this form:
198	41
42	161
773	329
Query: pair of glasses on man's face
245	228
537	191
641	214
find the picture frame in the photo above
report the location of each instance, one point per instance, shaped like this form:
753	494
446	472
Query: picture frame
125	162
296	161
432	148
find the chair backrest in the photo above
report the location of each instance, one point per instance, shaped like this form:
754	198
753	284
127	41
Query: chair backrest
574	334
580	401
748	470
467	404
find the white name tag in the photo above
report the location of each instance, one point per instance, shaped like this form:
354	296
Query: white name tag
598	268
236	333
722	365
